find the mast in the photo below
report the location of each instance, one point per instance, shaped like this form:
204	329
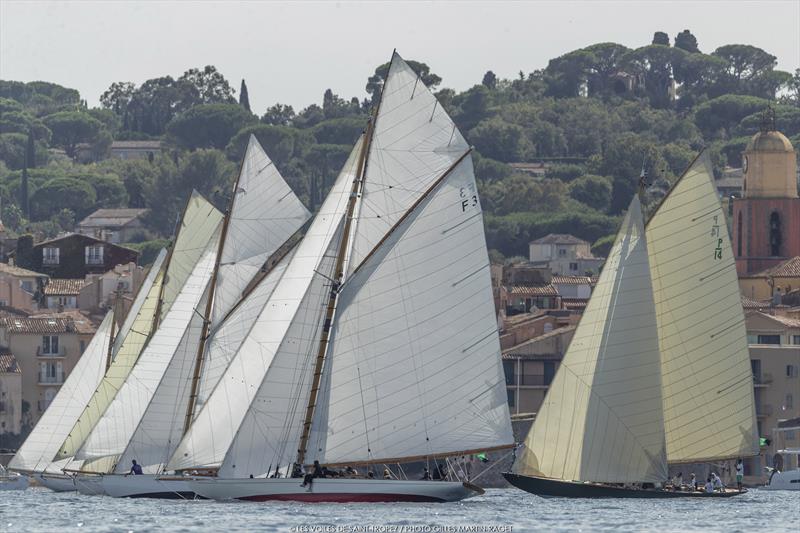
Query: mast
112	333
358	183
198	364
167	261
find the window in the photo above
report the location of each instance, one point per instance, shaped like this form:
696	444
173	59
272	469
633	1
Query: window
791	371
50	255
573	267
775	234
512	400
769	339
508	368
50	344
94	254
562	251
795	339
789	403
3	303
27	285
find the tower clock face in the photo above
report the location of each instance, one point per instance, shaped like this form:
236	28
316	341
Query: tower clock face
744	165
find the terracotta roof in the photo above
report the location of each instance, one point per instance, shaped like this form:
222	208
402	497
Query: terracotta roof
80	323
20	272
575	304
559	238
749	303
61	287
8	364
37	325
142	145
532	290
786	321
572	280
788	269
111	217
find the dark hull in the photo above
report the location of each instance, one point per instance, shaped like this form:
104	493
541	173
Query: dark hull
553	488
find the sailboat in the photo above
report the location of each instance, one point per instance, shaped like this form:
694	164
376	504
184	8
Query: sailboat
378	344
658	371
159	397
35	456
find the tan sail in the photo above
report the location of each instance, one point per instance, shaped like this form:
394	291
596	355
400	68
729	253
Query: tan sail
602	417
707	381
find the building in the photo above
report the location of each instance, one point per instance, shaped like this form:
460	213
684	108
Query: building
146	150
76	256
20	288
564	255
775	360
772	283
60	294
113	225
10	395
99	290
766	220
46	348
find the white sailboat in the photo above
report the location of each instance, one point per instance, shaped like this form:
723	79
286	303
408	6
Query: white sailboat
658	372
263	214
35	456
379	344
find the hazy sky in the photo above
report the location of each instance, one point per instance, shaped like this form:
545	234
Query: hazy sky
291	52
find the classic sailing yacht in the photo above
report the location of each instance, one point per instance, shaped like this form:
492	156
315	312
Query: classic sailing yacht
379	343
658	371
264	213
35	456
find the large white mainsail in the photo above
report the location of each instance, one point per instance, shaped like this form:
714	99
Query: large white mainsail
200	219
709	411
414	143
602	418
264	213
114	430
142	315
414	364
215	425
37	452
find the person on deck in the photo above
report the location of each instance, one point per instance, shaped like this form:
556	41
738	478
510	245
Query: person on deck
349	471
709	486
677	482
426	475
309	478
387	474
739	474
136	469
693	482
717	482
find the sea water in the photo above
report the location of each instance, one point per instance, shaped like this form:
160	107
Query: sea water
507	510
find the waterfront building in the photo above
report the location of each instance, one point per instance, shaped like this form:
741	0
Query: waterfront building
766	219
60	293
10	395
146	150
113	225
564	255
20	288
775	282
46	348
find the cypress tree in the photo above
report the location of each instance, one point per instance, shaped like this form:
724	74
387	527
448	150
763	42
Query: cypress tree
244	99
30	152
23	194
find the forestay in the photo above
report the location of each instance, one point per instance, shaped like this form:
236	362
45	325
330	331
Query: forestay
38	450
414	364
214	427
264	214
602	417
414	142
707	381
115	429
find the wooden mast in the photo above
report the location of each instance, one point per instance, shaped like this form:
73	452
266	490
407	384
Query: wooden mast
112	334
355	192
198	363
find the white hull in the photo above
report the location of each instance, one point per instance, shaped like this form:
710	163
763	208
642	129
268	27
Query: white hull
56	482
89	485
333	490
789	480
146	486
13	481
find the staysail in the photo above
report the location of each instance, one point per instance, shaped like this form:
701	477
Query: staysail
602	418
37	452
709	410
414	364
215	425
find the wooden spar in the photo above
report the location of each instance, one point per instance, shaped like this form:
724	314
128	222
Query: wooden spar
358	182
112	334
410	210
198	363
422	457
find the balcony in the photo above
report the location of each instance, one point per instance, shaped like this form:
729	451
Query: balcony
58	354
763	410
50	261
57	379
533	380
94	261
762	380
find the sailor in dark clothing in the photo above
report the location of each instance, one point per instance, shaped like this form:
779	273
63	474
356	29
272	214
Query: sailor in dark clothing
318	472
136	469
426	475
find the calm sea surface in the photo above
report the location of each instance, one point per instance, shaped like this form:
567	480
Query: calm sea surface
38	509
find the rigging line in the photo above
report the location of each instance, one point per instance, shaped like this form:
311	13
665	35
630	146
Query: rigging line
364	411
480	269
494	331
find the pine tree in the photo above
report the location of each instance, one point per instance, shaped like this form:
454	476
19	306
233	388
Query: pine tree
244	99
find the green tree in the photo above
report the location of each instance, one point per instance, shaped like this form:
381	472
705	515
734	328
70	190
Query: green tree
490	80
594	191
71	128
209	85
244	97
282	143
59	192
660	38
717	117
500	140
278	115
208	125
339	130
109	189
686	41
375	82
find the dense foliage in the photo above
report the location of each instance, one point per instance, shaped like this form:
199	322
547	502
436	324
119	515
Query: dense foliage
593	119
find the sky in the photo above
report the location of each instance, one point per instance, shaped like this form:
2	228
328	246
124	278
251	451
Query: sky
290	52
